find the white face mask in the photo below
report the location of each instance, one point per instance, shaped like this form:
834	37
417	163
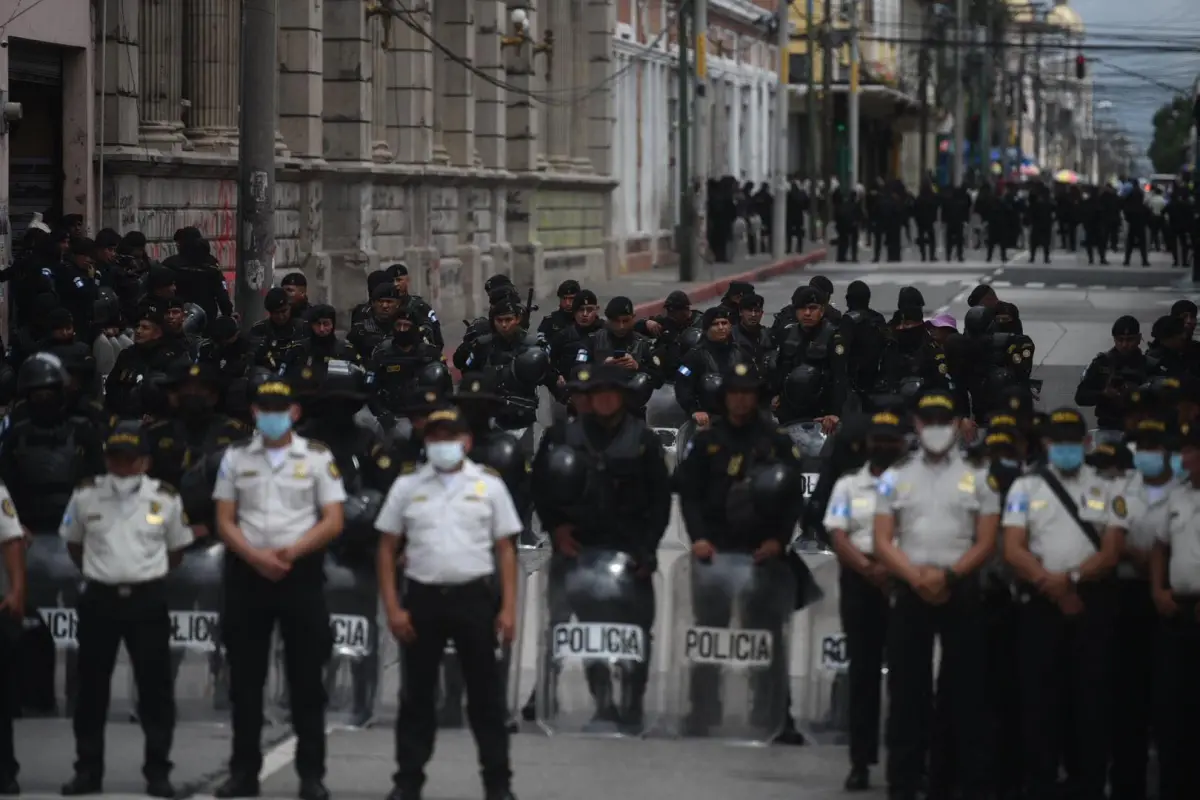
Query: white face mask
937	439
126	484
445	455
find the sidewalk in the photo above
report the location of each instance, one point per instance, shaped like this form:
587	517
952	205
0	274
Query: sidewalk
649	289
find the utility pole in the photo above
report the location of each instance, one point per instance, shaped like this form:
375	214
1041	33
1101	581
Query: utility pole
852	98
830	149
1020	105
923	92
1038	122
960	93
985	107
810	101
703	128
683	108
256	159
779	230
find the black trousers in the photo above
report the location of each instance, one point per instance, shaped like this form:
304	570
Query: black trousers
1180	248
954	240
1177	698
136	615
1135	631
951	725
864	611
847	246
1066	708
927	241
251	608
1095	239
1000	618
994	241
1135	239
1039	240
10	632
466	615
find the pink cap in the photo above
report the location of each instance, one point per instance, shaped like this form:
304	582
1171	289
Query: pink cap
942	321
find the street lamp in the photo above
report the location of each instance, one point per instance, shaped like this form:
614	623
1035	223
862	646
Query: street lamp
520	37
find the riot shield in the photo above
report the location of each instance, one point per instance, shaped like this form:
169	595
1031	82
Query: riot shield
519	666
48	666
822	683
595	641
352	675
814	448
731	626
197	654
663	410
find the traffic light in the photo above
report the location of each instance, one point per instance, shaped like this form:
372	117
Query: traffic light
1080	67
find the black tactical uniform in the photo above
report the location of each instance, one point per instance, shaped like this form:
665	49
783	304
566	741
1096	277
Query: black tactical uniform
911	352
227	349
676	318
865	334
370	330
562	317
1040	215
925	212
956	210
199	279
151	353
322	344
1168	353
1112	373
698	379
194	428
618	339
516	361
396	363
422	313
1095	235
375	280
276	336
564	345
716	481
76	286
820	349
749	335
626	506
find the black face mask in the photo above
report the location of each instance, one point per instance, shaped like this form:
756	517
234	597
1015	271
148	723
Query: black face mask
194	405
46	411
909	339
406	338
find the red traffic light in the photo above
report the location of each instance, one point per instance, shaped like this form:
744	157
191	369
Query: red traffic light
1080	67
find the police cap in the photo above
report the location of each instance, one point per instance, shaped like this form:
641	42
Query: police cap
741	377
568	289
420	400
126	439
1154	432
886	424
603	376
1127	326
619	307
714	314
322	311
584	297
806	296
752	302
294	279
476	387
1065	425
274	395
446	418
204	372
384	291
1183	308
677	300
275	300
935	405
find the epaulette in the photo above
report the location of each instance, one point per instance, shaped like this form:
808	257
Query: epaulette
86	483
168	489
491	471
316	447
237	424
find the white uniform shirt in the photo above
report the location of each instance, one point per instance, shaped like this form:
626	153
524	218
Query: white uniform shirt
450	521
852	509
1182	534
279	493
126	536
10	529
1054	537
1147	517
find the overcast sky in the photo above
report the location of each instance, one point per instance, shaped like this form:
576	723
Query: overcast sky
1143	24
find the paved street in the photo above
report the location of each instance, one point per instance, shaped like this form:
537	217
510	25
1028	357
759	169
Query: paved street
1067	308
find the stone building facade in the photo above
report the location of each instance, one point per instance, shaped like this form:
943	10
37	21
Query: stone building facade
428	140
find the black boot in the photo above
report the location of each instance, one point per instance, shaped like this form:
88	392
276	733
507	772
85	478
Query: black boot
238	786
313	789
159	786
859	780
82	783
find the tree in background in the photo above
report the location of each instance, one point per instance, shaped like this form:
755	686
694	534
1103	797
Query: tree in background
1172	130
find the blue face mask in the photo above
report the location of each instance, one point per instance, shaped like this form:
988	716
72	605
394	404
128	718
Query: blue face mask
1177	465
1066	456
1151	464
273	424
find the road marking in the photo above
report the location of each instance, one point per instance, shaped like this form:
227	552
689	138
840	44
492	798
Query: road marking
1066	286
1002	284
1035	285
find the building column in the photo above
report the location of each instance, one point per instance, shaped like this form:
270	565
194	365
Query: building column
380	109
581	80
160	78
561	80
522	124
211	37
601	21
411	92
490	99
454	26
735	132
301	71
117	72
347	81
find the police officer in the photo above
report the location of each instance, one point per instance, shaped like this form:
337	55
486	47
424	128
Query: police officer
1135	627
1175	581
564	345
511	354
124	531
704	365
562	317
626	507
296	286
935	525
276	335
749	335
397	362
666	330
865	334
12	614
1064	527
812	341
373	327
1107	380
863	588
227	349
151	352
618	343
716	481
322	344
198	278
422	313
455	522
279	504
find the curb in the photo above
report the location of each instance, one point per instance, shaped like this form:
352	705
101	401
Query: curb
708	291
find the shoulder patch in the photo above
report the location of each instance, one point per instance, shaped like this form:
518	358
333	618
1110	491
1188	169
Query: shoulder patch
334	472
491	471
993	484
316	447
839	349
1119	507
8	508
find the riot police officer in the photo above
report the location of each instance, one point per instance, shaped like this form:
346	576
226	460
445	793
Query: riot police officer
1168	353
564	345
935	525
626	506
618	343
911	352
151	353
373	327
667	329
322	344
512	354
296	286
1108	378
227	349
194	428
864	334
723	466
749	335
562	317
1064	528
421	312
396	362
863	588
698	379
276	335
198	279
812	342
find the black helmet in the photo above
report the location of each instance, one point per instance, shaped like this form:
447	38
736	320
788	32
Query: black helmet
689	339
8	383
106	310
361	509
195	321
566	475
802	388
530	367
435	377
711	386
196	486
42	371
639	389
152	394
501	453
773	491
979	321
343	379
